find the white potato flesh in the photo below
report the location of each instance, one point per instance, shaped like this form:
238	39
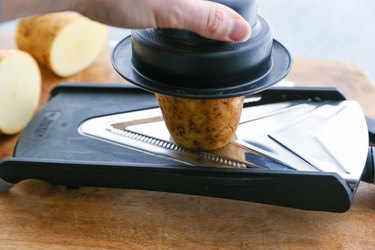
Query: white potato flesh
20	89
76	46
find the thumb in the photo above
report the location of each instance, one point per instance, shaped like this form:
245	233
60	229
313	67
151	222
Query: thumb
208	19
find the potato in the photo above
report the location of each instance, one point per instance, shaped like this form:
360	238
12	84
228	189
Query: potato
20	89
201	124
66	42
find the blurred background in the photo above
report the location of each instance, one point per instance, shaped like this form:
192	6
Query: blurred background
325	29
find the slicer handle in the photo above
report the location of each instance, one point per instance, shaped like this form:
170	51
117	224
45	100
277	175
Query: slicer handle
371	130
5	186
369	172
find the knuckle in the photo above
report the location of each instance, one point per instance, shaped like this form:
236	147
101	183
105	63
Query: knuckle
174	19
214	20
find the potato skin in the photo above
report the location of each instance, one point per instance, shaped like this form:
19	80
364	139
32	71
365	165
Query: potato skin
36	34
201	124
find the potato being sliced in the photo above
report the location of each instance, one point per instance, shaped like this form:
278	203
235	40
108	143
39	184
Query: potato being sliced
66	42
20	88
201	124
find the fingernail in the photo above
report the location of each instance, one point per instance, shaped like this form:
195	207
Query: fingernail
240	31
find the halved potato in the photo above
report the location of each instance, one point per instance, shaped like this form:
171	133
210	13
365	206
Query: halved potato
20	89
66	42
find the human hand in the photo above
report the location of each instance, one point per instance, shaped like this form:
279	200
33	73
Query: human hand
206	18
209	19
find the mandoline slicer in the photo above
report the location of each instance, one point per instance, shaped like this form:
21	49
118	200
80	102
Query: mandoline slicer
304	148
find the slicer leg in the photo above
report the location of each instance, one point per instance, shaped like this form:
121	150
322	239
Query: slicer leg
5	186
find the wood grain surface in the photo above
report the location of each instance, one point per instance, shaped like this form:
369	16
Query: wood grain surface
37	215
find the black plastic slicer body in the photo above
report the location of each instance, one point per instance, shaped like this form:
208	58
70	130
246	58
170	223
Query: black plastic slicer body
122	143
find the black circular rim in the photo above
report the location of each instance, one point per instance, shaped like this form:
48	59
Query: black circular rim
122	62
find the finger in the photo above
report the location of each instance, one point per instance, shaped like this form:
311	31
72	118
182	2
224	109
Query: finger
209	19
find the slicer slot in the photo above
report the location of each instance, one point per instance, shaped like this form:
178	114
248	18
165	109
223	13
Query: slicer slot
200	157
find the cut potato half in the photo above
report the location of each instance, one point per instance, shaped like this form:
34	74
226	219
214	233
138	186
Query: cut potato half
66	42
20	89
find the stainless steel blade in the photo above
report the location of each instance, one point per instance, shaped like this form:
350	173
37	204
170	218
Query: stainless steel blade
316	136
337	140
143	130
295	135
